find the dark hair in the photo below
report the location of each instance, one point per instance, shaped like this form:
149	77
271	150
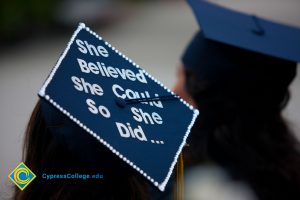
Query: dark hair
241	128
43	153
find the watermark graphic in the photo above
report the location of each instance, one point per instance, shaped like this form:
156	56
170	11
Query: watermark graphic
72	176
21	176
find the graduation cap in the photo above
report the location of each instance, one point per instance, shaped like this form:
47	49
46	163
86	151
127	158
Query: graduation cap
98	91
247	31
230	39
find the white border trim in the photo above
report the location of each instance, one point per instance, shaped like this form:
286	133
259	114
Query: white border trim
42	93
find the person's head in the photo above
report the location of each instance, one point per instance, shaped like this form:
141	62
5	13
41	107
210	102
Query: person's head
232	87
50	150
227	82
239	74
240	95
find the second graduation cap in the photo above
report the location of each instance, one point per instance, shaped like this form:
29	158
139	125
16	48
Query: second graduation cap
247	31
105	94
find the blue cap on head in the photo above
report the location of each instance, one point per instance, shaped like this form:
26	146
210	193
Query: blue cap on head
230	42
247	31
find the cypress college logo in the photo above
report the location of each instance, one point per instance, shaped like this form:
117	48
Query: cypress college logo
21	176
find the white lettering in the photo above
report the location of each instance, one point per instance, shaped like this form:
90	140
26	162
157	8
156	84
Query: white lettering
128	131
85	47
124	132
92	108
140	116
81	47
99	68
141	77
114	89
130	94
80	84
77	84
83	66
102	110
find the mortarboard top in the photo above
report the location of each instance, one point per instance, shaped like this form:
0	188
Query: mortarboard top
103	93
247	31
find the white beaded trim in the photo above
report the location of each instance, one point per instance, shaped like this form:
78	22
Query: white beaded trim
162	185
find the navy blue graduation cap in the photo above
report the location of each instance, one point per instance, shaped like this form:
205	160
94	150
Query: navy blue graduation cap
238	47
98	91
247	31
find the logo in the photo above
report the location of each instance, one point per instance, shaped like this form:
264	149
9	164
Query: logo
21	176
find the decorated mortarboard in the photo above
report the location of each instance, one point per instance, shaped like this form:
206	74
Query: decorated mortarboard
120	105
247	31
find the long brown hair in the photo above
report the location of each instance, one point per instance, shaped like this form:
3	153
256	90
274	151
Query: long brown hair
241	128
42	153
